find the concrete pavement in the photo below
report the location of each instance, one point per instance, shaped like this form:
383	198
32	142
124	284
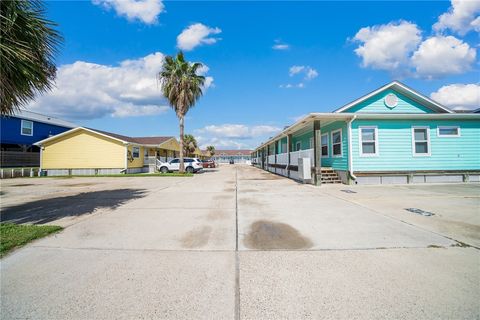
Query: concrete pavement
167	248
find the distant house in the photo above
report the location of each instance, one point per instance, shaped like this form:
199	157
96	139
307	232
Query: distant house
238	156
85	151
19	132
392	135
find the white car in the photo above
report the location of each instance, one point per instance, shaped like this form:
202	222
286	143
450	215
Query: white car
191	165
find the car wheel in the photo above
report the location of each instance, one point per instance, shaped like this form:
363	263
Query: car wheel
163	169
189	169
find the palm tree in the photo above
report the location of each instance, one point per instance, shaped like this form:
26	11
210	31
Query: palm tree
28	44
182	87
189	144
211	150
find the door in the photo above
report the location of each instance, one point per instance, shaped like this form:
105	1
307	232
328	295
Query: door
175	164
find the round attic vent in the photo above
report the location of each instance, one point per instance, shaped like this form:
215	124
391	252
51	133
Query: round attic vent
391	100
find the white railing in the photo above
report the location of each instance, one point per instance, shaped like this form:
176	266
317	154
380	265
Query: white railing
149	160
271	159
295	155
282	158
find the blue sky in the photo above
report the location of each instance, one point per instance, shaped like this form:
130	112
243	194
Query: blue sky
268	62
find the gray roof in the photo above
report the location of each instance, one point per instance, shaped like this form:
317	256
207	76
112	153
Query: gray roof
29	115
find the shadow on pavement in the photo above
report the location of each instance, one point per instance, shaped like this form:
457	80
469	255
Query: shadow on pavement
48	210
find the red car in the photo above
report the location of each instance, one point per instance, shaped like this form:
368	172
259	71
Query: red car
208	163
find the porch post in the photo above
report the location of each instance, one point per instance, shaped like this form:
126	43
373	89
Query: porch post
289	149
317	163
275	149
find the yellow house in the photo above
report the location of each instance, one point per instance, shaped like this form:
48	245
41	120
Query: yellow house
85	151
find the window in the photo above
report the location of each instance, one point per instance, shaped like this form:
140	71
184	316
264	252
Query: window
298	146
175	161
448	131
325	145
27	128
337	143
368	141
421	141
136	152
311	143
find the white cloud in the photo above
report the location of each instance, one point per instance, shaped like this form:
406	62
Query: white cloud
291	86
439	56
195	35
234	136
238	131
308	74
222	143
388	46
146	11
87	90
458	96
462	17
279	45
295	69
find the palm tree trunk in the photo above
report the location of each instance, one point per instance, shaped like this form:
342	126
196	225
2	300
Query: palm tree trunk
182	165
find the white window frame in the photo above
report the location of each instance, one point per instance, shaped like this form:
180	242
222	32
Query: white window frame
321	145
360	141
310	143
341	143
429	146
21	128
447	135
298	146
133	152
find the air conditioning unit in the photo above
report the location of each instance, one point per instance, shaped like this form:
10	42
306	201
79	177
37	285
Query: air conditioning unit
305	170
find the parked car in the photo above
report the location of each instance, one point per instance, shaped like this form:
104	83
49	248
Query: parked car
209	163
191	165
231	161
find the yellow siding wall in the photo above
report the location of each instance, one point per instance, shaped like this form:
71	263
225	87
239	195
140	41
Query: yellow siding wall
137	162
171	144
83	150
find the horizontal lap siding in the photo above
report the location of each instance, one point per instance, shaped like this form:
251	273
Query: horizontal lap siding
395	146
137	162
83	150
304	140
376	104
337	163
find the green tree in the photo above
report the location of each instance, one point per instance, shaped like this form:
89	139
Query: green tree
189	144
211	150
28	45
182	86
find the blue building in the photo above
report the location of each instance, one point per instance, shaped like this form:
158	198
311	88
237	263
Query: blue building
391	135
19	132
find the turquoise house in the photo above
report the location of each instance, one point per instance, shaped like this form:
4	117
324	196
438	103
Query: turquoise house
393	135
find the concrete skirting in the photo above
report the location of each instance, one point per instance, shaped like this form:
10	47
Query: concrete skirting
93	172
416	178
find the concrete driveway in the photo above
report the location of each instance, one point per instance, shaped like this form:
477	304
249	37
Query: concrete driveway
239	243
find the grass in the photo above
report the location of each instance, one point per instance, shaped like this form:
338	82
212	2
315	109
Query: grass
16	235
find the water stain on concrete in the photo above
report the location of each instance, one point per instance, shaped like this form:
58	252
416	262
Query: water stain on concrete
251	202
84	184
197	237
22	185
249	190
229	189
223	196
269	235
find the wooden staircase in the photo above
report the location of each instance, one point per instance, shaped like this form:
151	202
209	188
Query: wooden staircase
330	176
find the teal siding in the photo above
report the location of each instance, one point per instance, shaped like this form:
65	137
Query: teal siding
304	140
338	163
375	104
395	146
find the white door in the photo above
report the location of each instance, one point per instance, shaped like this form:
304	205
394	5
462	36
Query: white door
175	164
